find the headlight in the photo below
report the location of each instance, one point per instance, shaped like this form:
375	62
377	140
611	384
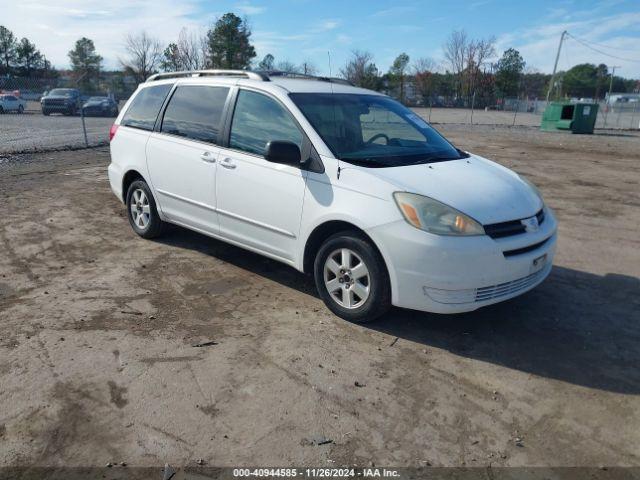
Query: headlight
435	217
533	187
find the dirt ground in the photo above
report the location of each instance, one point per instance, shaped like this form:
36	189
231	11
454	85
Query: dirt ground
99	331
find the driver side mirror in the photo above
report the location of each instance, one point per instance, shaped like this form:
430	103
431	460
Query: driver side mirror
286	153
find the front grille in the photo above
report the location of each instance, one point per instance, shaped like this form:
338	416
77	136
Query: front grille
529	248
512	227
508	288
484	293
54	102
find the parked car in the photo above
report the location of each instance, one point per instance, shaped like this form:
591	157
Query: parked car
12	103
100	106
337	181
61	100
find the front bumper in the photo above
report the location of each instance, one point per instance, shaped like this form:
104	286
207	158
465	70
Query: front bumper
443	274
57	108
95	111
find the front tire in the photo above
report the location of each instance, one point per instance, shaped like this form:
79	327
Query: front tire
142	211
20	109
351	278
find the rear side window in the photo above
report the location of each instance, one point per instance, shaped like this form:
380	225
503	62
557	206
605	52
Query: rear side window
194	112
144	108
259	119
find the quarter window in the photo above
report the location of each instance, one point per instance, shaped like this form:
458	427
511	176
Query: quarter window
144	108
258	120
194	112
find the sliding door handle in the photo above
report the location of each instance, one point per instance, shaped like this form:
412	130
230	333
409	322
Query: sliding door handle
228	163
208	157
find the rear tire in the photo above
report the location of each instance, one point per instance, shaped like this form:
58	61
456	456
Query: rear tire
351	278
142	212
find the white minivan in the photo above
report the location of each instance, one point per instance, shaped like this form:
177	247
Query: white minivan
336	181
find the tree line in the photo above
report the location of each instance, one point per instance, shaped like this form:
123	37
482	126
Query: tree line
21	57
467	74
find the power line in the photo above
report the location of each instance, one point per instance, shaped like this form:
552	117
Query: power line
606	46
634	60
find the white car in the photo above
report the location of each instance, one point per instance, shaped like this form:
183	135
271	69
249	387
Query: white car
11	103
336	181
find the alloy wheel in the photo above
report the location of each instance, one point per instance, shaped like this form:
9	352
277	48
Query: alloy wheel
346	278
140	209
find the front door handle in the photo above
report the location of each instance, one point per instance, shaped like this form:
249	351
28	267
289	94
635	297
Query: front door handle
228	163
208	157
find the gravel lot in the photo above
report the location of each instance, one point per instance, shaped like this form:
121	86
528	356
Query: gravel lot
98	327
32	132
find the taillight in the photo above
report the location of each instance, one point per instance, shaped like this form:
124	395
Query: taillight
112	131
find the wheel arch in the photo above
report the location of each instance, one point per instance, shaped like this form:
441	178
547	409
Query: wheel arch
323	231
127	179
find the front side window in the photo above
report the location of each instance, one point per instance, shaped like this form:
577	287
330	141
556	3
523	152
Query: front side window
259	119
373	130
144	108
195	112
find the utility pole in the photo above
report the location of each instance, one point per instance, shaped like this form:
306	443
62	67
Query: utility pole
555	66
608	102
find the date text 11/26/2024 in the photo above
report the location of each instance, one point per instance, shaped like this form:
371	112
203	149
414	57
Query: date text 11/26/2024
317	472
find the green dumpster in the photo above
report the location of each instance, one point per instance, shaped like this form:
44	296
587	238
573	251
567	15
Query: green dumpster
576	117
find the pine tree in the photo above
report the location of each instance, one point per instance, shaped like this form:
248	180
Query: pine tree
229	45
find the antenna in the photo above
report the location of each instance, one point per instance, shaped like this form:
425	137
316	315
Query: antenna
333	108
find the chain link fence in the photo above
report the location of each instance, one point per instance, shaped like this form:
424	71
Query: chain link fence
32	131
528	113
619	115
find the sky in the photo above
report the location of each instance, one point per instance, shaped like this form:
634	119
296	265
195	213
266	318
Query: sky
305	30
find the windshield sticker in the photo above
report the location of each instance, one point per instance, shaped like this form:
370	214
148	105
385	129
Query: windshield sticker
416	119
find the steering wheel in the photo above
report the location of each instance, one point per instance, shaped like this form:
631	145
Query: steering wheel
377	136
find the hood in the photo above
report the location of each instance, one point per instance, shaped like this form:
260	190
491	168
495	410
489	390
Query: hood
97	102
484	190
58	97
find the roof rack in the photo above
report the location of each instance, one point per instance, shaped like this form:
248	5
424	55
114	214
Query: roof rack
263	75
304	76
210	73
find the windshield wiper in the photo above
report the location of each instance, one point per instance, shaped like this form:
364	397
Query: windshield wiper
444	159
427	160
368	162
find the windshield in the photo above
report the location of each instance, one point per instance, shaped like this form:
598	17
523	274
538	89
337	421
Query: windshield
373	130
62	92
